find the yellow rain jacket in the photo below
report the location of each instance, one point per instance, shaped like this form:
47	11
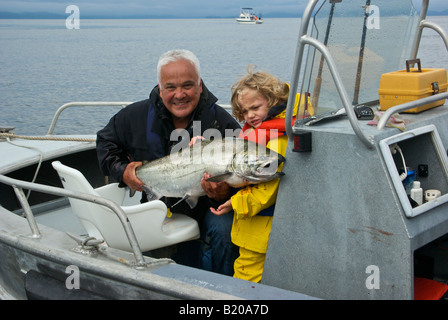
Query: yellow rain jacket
254	205
250	230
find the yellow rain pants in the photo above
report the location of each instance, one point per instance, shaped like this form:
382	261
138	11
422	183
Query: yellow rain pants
250	231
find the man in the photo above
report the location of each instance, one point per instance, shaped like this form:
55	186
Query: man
142	131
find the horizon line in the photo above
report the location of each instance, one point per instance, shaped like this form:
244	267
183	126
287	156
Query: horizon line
48	15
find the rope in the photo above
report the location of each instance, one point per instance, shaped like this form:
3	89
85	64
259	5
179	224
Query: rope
12	135
38	164
8	136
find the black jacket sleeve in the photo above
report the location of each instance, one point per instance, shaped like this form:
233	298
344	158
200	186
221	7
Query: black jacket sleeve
122	140
112	158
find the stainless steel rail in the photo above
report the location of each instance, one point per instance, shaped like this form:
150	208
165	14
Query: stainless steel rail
297	66
406	106
409	105
82	104
305	40
343	95
426	24
19	185
95	104
438	29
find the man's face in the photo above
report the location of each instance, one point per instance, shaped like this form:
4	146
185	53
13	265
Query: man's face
180	89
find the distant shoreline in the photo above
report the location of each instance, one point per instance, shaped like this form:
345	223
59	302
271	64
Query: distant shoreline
48	15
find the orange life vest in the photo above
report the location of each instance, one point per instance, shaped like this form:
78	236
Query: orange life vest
270	129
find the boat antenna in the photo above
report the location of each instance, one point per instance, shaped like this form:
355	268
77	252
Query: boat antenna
318	82
361	54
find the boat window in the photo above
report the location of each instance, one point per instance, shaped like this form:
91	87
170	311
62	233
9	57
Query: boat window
359	38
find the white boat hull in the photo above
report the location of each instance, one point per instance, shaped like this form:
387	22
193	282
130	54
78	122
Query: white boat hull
247	21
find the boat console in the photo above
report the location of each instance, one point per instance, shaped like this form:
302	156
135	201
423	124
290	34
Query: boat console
347	224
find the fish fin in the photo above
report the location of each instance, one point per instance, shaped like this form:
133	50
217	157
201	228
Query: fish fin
253	179
220	177
261	179
178	202
192	201
131	192
151	194
279	174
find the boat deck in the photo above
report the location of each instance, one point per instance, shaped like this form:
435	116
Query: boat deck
62	219
23	152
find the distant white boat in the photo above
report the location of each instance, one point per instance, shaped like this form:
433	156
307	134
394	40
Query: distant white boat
247	16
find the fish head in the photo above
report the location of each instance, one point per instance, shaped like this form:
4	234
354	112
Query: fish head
257	163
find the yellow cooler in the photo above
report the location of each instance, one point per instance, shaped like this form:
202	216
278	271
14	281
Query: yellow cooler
404	86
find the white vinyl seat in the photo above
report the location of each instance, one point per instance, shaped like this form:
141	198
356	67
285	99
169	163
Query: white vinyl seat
152	228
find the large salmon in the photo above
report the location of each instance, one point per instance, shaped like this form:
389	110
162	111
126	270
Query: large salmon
236	161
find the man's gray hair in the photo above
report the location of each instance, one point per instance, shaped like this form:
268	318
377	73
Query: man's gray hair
175	55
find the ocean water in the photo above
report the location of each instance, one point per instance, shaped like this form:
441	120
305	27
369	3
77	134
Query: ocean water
44	65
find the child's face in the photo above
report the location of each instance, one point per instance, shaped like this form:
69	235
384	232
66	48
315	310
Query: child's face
254	107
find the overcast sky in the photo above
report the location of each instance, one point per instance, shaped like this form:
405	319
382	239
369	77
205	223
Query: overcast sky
190	8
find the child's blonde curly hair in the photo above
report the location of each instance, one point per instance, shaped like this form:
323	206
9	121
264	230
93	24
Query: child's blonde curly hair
270	87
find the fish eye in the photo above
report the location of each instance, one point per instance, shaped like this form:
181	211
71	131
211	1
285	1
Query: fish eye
266	168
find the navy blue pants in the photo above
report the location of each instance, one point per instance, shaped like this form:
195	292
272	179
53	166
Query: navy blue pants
214	251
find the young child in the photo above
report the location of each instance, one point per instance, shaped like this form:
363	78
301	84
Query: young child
260	100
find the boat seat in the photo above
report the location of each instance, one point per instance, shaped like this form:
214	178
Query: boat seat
152	228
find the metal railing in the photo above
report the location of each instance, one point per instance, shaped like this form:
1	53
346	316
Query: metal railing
19	185
82	104
426	24
96	104
436	97
407	106
306	40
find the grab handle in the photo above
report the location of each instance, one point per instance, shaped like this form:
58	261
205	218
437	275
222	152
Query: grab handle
413	61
